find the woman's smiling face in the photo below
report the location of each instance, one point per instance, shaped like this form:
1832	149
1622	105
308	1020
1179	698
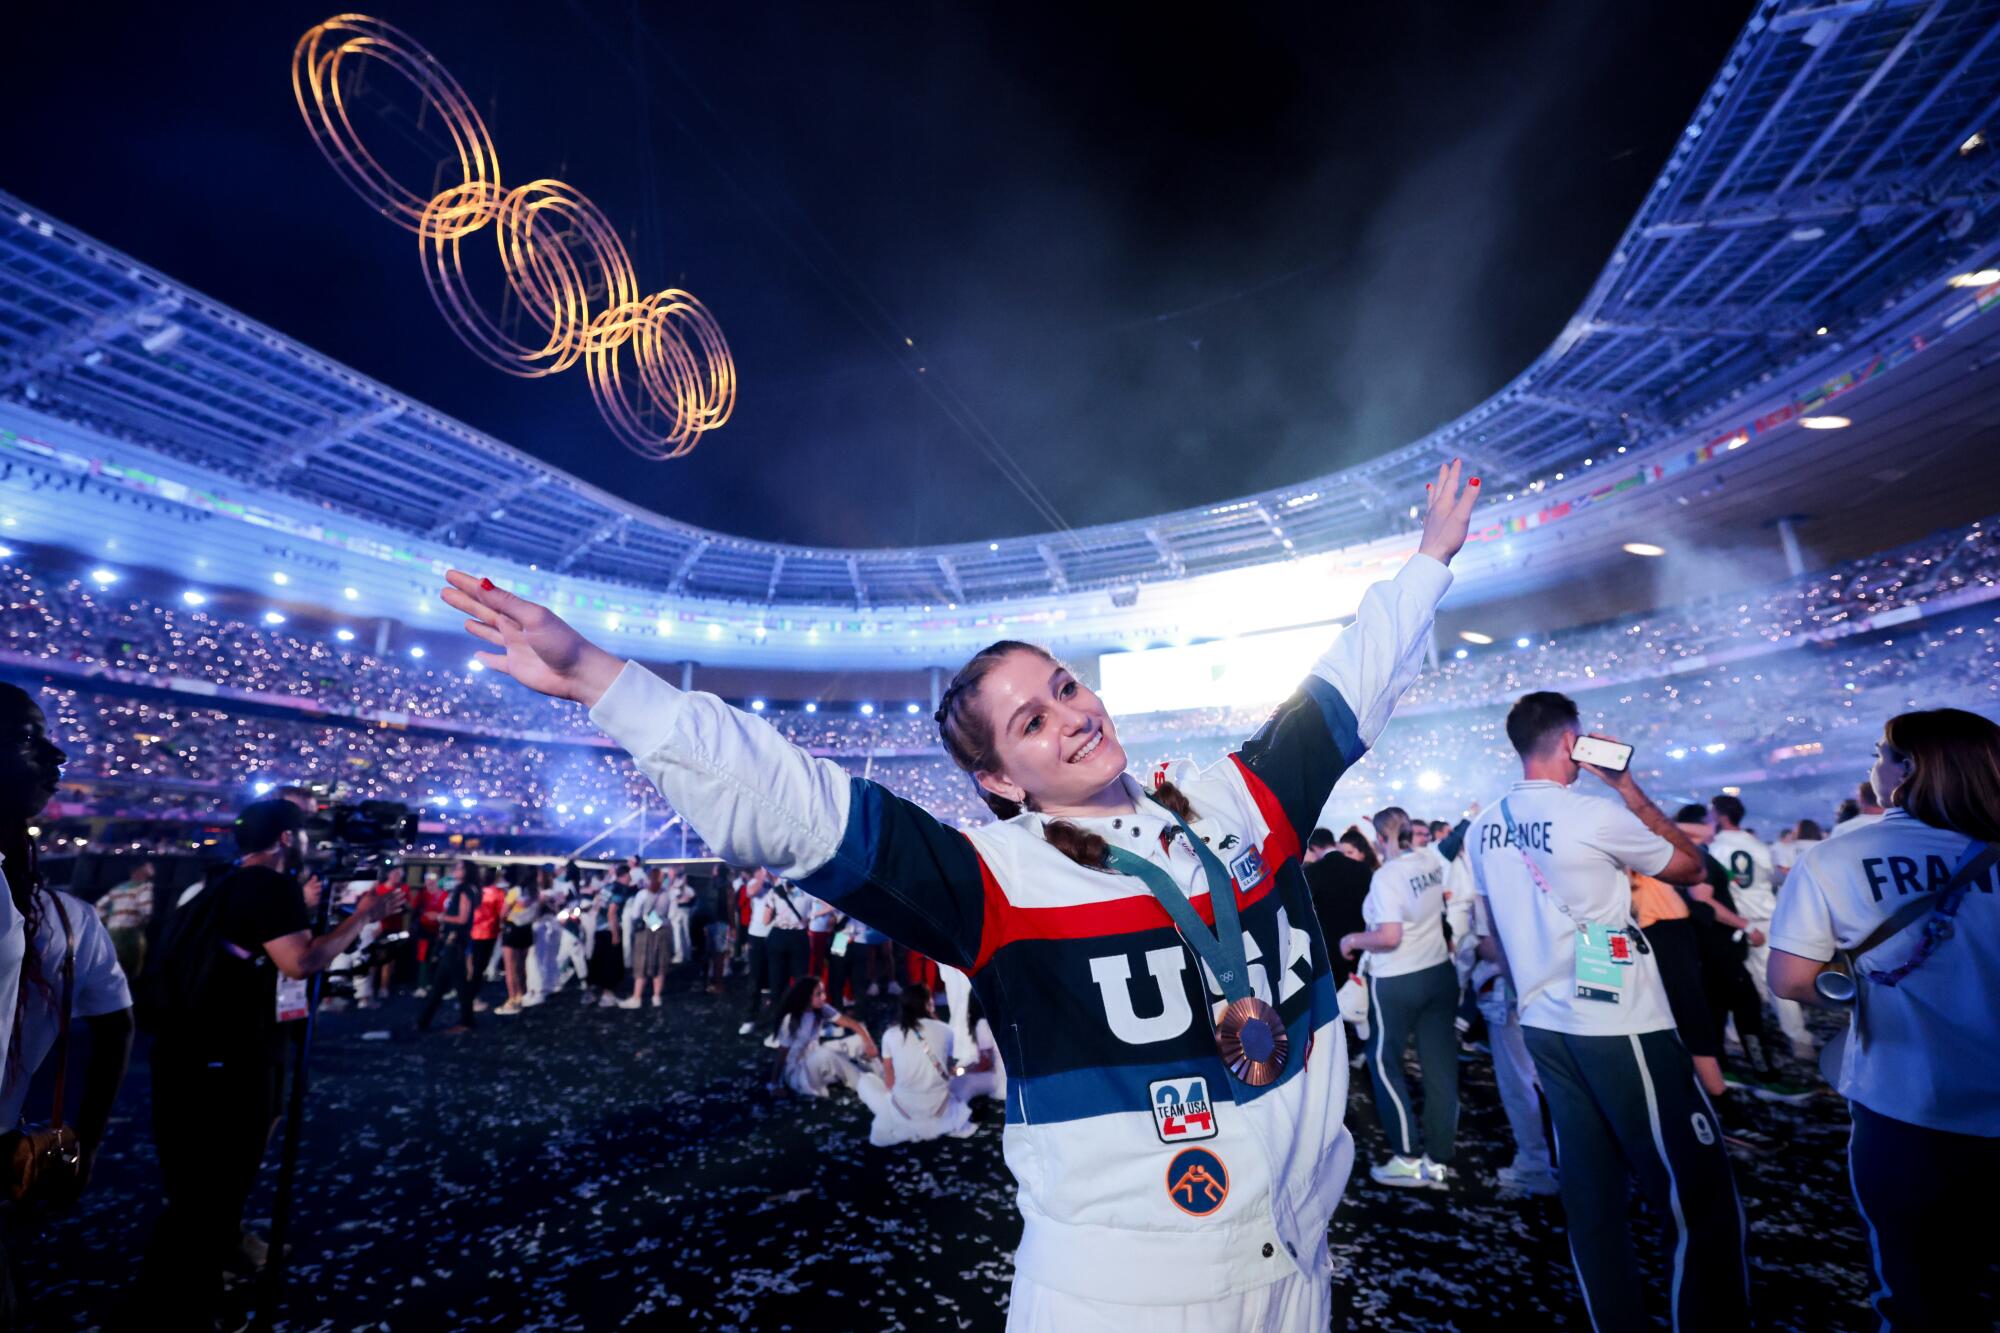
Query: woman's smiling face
1057	747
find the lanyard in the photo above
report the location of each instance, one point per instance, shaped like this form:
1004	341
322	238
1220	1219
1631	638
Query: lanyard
1222	948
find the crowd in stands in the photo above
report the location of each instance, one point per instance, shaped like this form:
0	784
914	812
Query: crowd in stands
141	755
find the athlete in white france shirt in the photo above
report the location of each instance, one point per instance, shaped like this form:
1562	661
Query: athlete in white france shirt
1921	1069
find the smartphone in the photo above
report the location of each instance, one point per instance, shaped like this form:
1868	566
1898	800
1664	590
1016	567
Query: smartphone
1604	754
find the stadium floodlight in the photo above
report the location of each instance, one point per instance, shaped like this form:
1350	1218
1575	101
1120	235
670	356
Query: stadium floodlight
1677	753
759	632
590	809
344	635
1645	549
911	709
1985	277
260	787
1474	636
562	809
280	577
756	705
351	594
1715	747
1521	642
467	802
993	546
1826	423
6	552
812	707
714	631
274	618
417	650
441	801
1429	781
194	598
475	665
868	710
1461	654
103	578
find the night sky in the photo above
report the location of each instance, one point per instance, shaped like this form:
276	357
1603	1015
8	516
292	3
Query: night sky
1152	263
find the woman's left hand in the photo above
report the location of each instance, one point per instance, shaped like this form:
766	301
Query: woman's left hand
1449	517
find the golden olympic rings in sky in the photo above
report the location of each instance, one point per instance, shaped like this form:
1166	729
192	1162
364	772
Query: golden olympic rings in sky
563	262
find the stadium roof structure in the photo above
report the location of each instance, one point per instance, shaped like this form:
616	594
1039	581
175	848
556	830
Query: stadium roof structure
1837	162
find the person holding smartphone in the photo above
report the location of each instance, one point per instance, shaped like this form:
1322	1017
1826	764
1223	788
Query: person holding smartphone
1553	868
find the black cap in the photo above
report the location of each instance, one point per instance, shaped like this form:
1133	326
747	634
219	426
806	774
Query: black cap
261	823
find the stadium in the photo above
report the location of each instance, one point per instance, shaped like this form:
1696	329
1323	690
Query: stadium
1741	509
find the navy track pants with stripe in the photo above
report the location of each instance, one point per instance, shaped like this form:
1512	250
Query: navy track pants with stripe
1629	1108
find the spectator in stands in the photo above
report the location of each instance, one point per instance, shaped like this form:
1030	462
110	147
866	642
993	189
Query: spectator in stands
1553	868
126	911
1913	902
218	1052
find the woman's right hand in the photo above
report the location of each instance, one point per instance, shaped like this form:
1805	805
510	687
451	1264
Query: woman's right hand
537	646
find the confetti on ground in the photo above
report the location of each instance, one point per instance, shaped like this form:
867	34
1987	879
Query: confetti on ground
575	1168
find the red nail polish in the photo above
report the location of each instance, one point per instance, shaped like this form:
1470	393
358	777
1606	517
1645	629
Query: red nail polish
1475	481
486	584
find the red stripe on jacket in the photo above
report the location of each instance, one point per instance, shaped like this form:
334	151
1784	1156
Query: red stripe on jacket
1005	923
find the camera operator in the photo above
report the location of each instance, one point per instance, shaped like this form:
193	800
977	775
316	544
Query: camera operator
218	1056
1553	867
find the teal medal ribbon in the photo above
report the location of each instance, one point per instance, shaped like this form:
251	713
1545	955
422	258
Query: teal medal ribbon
1249	1035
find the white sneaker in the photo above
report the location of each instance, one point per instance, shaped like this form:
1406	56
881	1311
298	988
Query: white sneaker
510	1007
1523	1181
1437	1174
656	1001
772	1041
1402	1173
746	1029
530	1001
480	1007
607	1001
629	1002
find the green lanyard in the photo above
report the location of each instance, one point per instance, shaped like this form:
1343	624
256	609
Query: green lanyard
1222	948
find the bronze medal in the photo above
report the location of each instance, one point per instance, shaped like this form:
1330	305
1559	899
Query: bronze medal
1252	1041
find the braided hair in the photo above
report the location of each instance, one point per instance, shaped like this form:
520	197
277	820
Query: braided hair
968	738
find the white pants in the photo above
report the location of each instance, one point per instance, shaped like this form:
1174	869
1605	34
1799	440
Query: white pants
1295	1304
825	1063
985	1083
680	923
1514	1071
1791	1015
571	954
895	1123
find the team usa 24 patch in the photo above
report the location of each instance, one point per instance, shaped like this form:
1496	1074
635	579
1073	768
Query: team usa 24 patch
1181	1109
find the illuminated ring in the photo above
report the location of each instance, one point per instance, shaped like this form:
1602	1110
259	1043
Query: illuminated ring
682	382
316	84
562	260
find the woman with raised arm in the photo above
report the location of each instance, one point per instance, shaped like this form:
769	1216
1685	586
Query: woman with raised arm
1148	953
